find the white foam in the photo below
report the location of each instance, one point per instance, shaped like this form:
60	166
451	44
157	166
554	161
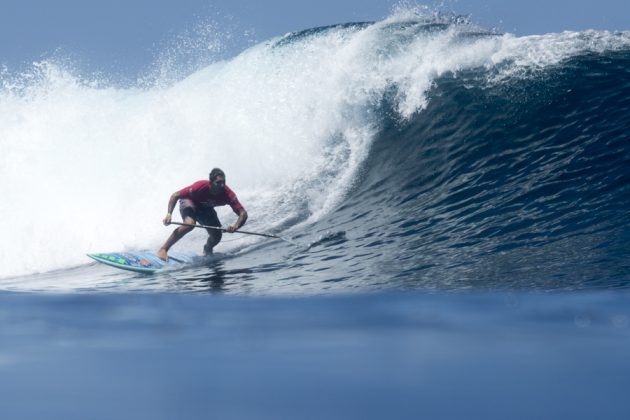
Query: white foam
88	167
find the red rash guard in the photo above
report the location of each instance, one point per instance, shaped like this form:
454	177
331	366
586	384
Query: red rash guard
199	193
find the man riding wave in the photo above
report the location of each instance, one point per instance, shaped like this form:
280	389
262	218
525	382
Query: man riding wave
196	204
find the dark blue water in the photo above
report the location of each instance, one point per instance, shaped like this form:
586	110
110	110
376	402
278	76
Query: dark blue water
478	266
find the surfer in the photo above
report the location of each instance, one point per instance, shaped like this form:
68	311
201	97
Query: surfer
196	203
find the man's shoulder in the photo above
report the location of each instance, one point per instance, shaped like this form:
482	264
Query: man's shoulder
229	193
194	188
198	185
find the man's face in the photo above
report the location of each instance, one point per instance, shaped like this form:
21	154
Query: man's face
217	185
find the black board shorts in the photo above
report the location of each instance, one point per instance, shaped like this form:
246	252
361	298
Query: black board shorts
206	216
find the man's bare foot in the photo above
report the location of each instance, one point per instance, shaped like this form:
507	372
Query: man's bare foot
162	254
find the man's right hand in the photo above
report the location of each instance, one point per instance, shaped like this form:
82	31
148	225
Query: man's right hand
167	219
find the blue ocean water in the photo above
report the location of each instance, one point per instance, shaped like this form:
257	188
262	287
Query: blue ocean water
403	356
457	202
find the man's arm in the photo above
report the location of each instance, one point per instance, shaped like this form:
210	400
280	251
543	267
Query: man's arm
242	218
171	206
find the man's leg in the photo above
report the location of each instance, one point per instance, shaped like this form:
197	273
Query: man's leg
175	236
214	235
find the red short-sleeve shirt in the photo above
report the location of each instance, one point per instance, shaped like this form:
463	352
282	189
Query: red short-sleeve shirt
199	193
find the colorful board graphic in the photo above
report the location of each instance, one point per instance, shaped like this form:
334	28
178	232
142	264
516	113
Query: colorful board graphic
142	261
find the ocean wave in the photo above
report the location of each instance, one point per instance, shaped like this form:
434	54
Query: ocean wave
420	112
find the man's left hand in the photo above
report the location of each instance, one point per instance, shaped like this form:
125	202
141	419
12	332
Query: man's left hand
231	228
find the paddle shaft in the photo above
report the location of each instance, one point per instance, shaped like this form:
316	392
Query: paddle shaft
266	235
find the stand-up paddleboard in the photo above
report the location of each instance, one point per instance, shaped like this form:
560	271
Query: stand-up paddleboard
144	261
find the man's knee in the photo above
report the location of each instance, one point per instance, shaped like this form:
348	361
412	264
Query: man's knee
185	229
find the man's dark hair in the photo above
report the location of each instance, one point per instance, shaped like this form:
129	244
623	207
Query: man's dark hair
215	173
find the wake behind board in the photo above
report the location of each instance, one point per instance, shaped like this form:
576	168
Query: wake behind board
144	261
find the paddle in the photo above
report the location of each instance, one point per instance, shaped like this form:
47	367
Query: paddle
266	235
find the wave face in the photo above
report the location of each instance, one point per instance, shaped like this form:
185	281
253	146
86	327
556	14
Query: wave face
443	155
518	184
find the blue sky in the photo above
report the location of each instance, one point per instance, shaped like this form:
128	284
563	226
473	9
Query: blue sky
125	35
